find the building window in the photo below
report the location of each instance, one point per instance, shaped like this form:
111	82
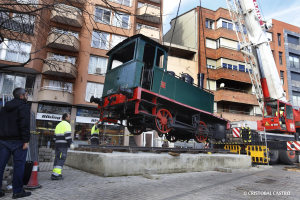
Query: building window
10	81
102	15
97	65
122	2
93	89
282	77
280	58
18	22
227	25
65	32
296	99
100	40
294	61
15	51
211	43
121	20
210	24
116	39
295	79
62	58
279	39
211	66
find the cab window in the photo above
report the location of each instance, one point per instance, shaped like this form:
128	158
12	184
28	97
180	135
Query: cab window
289	112
122	56
270	109
160	55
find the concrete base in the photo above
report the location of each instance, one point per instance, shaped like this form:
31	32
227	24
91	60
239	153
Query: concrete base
125	164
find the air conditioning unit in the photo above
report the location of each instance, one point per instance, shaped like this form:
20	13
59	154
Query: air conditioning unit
98	71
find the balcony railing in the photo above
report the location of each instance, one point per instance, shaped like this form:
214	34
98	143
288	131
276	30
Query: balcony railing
67	15
56	94
63	41
239	112
149	13
58	68
294	46
234	90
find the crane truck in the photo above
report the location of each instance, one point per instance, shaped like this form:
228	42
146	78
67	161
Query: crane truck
281	122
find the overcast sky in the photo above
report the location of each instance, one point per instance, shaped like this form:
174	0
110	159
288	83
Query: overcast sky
283	10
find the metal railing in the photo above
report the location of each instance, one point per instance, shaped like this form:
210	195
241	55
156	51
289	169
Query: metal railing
237	112
60	89
234	90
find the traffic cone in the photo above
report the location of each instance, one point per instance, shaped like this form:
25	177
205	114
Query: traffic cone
33	182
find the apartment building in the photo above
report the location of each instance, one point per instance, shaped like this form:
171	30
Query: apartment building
68	52
284	41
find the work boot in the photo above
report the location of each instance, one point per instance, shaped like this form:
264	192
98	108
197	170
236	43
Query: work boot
21	194
2	194
59	177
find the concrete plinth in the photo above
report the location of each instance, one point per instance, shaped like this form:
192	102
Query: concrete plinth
125	164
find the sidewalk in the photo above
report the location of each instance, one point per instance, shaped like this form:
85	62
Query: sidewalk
240	184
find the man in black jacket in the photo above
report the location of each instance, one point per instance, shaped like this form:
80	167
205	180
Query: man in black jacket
14	138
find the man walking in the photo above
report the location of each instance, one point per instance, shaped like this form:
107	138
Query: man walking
63	141
14	138
95	134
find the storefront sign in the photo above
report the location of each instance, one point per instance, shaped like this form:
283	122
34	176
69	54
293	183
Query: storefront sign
48	116
88	120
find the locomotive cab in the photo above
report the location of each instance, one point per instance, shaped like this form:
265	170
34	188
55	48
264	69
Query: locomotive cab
132	62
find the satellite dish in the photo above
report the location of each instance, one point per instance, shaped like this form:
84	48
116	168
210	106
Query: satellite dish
222	85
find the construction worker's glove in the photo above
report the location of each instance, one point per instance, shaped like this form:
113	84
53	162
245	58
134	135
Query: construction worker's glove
72	146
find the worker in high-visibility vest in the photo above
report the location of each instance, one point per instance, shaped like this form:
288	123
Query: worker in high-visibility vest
281	117
63	141
95	135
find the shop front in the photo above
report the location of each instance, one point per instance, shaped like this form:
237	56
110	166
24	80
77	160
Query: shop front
47	117
109	134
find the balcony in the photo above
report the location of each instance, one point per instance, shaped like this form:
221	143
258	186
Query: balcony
59	68
149	32
237	116
55	94
237	97
149	13
229	74
68	15
62	41
294	46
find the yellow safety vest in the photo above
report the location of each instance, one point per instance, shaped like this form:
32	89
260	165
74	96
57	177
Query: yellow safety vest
62	135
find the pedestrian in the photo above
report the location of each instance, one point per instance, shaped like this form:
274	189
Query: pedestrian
14	139
63	141
95	134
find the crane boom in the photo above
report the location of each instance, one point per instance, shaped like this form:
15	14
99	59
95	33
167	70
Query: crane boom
246	13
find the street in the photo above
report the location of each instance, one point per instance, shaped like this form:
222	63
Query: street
251	183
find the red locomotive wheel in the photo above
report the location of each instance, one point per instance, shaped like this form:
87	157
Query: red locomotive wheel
161	120
201	138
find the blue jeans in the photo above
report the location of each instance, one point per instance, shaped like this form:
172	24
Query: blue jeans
15	148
